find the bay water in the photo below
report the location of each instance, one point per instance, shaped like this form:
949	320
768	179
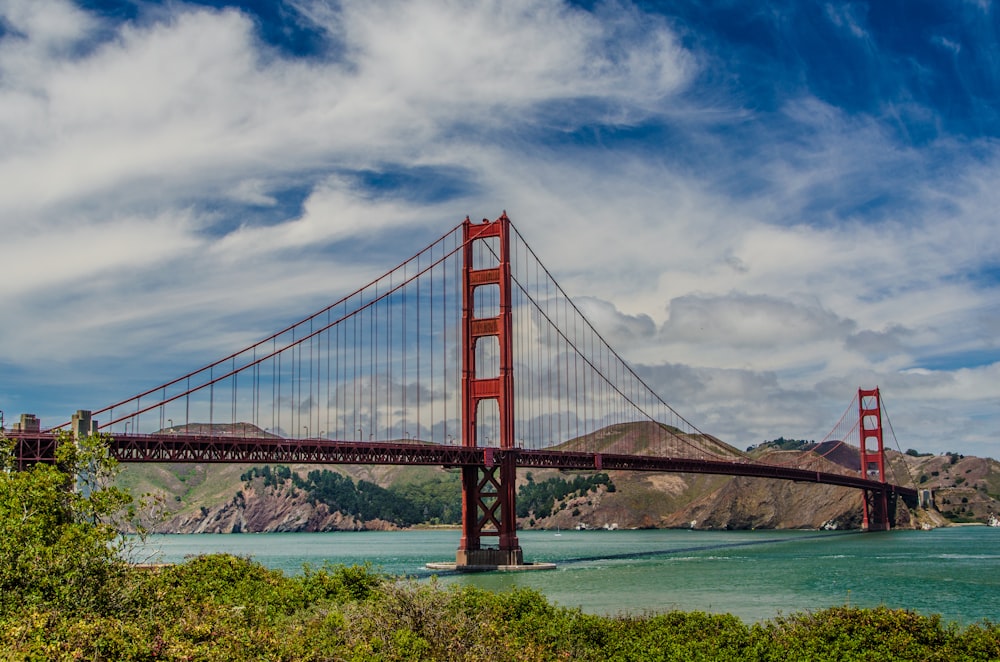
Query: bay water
755	575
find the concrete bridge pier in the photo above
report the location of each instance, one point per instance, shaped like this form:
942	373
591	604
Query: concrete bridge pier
82	424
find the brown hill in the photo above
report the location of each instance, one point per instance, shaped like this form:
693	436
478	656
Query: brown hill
649	438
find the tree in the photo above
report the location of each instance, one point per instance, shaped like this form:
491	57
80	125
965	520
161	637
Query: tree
59	546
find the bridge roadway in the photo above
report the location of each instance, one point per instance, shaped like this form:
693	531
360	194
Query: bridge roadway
189	448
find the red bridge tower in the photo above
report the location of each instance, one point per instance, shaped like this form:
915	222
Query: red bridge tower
878	506
488	495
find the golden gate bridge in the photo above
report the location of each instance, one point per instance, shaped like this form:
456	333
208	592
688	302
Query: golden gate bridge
470	355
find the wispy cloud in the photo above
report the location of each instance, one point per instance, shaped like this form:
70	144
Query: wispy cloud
752	225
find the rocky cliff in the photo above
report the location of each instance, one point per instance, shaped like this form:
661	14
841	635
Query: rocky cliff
257	509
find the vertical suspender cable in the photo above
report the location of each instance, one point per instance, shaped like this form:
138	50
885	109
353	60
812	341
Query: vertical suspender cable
418	433
385	370
403	352
211	403
329	376
372	354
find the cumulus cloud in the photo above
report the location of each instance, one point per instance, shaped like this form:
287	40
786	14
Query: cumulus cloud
622	330
878	343
743	320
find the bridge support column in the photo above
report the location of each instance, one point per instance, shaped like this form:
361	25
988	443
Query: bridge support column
877	511
492	514
488	491
82	424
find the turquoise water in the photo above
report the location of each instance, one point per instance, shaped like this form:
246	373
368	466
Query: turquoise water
755	575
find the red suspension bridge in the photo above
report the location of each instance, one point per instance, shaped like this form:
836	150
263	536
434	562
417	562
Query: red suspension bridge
469	355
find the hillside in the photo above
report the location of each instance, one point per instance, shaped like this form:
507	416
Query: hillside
216	498
966	489
233	498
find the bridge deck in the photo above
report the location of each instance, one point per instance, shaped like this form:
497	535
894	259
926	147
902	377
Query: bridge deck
187	448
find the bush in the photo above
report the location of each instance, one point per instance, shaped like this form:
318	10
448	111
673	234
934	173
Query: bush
59	546
67	595
879	634
229	608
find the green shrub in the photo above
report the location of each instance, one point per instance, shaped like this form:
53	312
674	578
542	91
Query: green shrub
59	546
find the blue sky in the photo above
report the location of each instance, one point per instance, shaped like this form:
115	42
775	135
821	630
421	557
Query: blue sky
763	205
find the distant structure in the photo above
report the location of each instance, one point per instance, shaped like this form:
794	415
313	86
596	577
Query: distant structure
28	423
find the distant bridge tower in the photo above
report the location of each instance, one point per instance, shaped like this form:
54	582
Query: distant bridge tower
878	505
488	509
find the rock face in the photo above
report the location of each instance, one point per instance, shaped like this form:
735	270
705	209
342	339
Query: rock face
258	509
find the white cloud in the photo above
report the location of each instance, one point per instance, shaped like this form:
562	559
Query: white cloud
110	151
843	16
252	192
622	330
949	45
46	29
876	343
740	320
127	149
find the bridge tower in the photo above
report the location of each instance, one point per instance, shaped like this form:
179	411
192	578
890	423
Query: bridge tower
877	505
488	490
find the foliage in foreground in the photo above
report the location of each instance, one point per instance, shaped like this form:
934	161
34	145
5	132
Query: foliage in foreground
229	608
59	543
67	596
